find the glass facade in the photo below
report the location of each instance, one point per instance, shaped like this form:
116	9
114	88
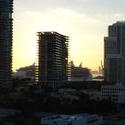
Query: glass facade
6	23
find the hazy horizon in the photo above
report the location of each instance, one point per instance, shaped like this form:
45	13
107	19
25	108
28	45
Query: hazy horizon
85	21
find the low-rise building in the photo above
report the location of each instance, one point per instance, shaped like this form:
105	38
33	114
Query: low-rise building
78	119
116	93
93	94
25	72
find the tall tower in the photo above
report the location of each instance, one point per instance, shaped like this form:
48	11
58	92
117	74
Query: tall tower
114	58
52	57
6	31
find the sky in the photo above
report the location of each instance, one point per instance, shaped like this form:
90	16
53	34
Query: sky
84	21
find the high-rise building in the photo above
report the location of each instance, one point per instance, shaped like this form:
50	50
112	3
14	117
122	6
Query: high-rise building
6	23
114	57
52	57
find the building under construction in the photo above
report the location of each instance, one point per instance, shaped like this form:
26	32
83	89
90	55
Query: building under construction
52	58
6	10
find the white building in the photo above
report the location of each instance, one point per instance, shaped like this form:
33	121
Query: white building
19	74
116	93
25	72
78	119
83	78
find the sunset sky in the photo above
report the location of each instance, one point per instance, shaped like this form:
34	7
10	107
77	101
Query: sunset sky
85	21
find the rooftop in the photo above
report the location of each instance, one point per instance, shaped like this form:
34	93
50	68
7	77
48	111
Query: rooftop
67	117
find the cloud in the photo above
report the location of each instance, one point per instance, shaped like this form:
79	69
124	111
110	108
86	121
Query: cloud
86	6
81	28
67	19
85	21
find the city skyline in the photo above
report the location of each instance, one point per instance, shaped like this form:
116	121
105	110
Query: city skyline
86	27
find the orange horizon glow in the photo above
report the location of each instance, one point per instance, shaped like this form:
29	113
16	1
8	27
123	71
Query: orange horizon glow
85	31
